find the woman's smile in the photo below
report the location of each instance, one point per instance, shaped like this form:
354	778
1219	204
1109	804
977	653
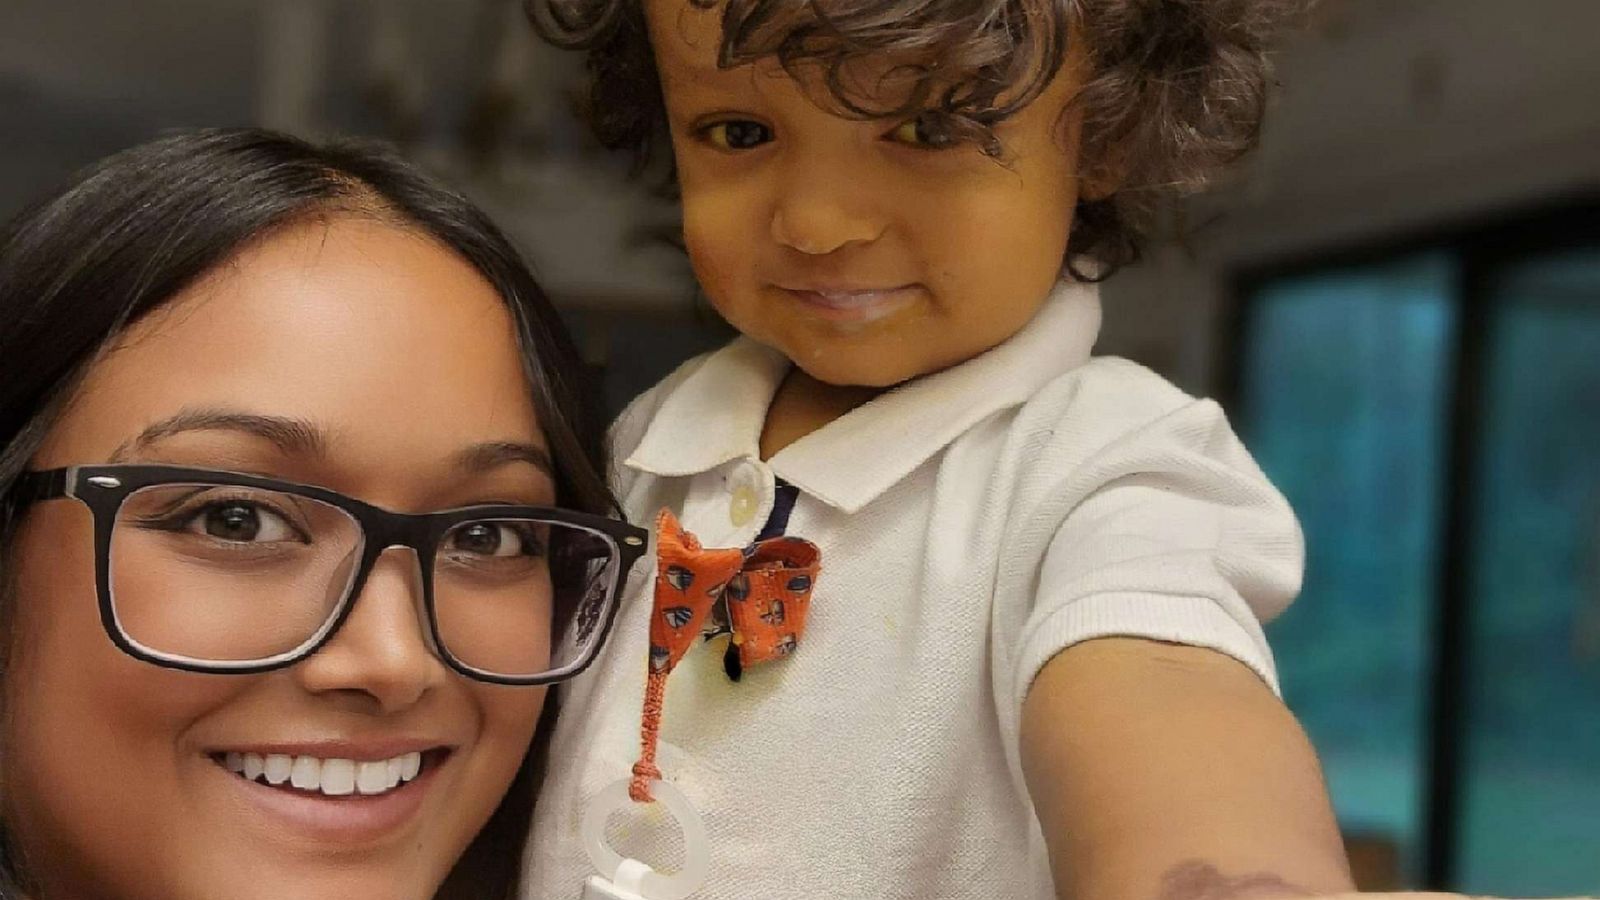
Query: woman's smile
328	776
334	799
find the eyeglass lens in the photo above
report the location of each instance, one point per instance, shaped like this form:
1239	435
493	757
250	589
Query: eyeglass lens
233	574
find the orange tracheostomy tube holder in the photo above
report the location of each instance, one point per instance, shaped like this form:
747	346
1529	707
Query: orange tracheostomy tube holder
766	591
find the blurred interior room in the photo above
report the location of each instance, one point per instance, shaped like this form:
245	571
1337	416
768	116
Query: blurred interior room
1398	302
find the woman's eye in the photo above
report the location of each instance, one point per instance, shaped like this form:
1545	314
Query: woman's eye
241	522
736	134
927	130
494	539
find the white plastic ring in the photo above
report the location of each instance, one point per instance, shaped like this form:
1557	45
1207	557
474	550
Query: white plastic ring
650	883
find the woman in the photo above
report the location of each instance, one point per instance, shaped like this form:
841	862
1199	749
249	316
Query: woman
299	516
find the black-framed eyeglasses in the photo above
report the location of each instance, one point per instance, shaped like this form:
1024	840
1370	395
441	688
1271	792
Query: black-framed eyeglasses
213	571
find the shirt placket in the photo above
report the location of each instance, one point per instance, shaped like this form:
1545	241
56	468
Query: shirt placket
727	505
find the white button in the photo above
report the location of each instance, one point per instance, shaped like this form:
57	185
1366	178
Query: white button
742	508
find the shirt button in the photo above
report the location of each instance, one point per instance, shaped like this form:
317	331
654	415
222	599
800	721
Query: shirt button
743	506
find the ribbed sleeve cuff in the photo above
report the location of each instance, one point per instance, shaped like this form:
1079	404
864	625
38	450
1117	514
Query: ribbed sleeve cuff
1194	621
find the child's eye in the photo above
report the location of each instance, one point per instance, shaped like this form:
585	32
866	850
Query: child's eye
926	130
736	134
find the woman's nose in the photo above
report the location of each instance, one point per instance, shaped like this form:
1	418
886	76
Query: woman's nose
381	651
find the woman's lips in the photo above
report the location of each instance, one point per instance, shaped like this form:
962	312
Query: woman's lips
321	808
853	304
331	776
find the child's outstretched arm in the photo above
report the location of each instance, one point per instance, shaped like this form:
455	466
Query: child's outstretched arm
1163	772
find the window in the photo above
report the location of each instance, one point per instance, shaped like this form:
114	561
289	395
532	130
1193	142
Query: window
1433	413
1345	387
1530	804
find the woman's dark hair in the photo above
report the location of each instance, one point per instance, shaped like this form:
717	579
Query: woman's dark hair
1175	89
138	227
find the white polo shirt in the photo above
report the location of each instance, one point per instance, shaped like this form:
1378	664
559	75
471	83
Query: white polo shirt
973	523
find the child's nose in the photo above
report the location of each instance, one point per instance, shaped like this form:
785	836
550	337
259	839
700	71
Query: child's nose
820	212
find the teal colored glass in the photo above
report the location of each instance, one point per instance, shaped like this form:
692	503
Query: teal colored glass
1530	798
1344	402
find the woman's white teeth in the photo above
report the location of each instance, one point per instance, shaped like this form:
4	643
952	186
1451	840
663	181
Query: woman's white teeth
338	777
373	777
306	773
279	767
332	777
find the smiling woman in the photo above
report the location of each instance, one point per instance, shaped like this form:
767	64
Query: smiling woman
300	513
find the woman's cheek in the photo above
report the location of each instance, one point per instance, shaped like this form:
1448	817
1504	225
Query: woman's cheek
512	715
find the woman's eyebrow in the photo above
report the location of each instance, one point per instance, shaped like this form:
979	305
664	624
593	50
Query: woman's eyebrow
295	437
488	455
298	437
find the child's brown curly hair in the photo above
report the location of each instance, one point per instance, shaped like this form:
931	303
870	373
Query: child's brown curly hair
1175	90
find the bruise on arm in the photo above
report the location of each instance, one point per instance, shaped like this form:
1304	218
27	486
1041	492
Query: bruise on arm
1197	880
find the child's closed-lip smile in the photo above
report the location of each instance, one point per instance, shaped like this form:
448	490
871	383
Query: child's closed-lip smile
853	304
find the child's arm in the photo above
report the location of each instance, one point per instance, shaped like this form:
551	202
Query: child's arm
1158	771
1162	772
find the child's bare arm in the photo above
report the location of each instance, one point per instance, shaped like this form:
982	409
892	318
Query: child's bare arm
1162	772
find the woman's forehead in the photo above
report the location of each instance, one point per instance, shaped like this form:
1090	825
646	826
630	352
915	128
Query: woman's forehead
394	345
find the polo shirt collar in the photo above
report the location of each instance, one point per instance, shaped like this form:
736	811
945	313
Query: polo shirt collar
715	415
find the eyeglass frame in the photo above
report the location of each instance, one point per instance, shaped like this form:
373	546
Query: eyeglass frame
104	488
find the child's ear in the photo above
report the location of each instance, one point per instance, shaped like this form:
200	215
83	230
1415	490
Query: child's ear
1103	175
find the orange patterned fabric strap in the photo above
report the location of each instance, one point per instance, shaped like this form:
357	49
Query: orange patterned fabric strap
689	581
645	771
768	600
767	593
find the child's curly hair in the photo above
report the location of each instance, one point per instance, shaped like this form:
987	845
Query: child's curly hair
1174	90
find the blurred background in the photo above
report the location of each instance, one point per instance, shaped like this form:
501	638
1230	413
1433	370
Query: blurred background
1398	301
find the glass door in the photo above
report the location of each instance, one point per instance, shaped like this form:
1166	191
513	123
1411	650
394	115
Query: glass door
1432	411
1529	798
1344	396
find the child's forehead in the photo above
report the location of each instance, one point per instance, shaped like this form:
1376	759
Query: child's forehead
687	40
889	68
685	34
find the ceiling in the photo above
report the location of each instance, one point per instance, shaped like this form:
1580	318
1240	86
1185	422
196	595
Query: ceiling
81	78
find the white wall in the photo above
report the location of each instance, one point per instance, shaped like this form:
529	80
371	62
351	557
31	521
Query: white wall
1394	114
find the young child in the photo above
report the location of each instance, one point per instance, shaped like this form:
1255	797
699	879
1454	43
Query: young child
1034	664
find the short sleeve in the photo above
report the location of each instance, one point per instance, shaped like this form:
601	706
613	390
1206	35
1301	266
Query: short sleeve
1172	533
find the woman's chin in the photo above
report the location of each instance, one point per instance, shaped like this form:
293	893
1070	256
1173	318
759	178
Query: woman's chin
386	875
360	882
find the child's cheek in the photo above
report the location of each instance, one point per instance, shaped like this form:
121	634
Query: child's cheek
717	264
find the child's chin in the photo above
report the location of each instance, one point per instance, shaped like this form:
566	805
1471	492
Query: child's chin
864	368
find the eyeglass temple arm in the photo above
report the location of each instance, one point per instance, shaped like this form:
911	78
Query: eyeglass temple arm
33	487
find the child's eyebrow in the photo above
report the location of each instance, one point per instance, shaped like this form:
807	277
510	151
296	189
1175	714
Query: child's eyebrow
688	48
710	81
682	60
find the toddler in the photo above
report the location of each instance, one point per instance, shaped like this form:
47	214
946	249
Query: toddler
1032	664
